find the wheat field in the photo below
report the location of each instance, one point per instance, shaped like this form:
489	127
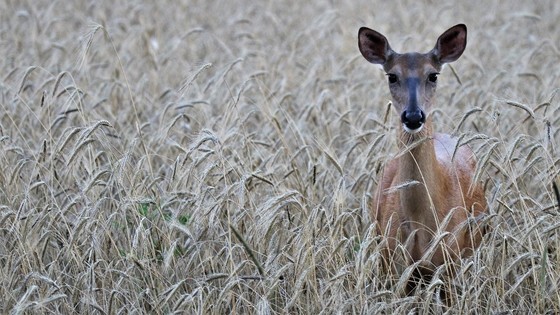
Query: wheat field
209	157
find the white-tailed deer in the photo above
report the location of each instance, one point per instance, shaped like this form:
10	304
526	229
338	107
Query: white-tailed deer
426	200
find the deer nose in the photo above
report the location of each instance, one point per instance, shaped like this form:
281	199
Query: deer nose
413	119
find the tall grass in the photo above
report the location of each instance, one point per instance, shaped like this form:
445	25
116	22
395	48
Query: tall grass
219	157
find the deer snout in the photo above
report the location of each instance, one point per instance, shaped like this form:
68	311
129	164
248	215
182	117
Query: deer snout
413	119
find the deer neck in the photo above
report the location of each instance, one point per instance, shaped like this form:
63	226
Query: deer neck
419	177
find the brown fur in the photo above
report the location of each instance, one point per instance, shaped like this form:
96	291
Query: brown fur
444	185
426	201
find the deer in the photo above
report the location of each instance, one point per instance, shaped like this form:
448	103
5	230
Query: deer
426	199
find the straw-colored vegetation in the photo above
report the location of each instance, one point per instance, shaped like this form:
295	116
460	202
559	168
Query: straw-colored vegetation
218	157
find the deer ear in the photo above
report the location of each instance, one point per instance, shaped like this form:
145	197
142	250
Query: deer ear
451	44
373	46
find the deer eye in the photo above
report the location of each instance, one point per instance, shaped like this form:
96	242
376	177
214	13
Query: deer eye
432	77
392	78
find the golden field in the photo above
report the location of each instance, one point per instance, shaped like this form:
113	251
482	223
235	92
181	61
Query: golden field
210	157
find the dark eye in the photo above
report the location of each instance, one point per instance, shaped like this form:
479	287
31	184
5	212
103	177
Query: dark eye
392	78
432	77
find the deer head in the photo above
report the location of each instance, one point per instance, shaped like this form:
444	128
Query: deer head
413	76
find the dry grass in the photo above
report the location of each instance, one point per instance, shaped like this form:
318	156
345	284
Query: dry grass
219	157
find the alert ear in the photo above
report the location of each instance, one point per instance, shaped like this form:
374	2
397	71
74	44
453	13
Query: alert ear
451	44
373	46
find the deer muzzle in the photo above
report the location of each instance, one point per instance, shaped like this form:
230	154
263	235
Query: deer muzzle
413	117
